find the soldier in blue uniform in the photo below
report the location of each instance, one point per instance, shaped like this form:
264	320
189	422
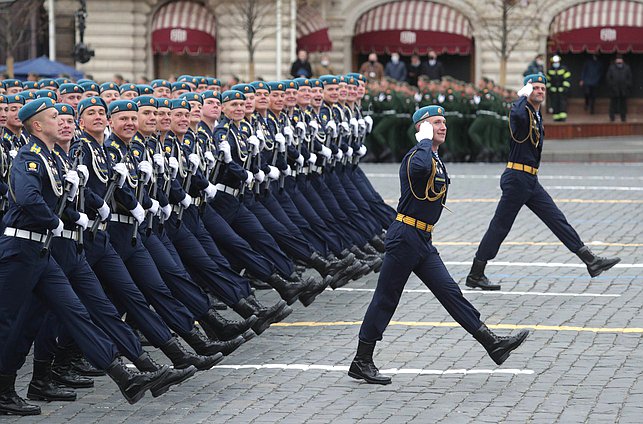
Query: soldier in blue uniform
424	184
520	186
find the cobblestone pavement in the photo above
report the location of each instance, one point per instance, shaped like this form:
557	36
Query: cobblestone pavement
581	363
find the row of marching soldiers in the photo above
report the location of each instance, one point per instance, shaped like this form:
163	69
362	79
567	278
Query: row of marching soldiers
178	197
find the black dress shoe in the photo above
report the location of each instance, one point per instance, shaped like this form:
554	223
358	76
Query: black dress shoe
363	367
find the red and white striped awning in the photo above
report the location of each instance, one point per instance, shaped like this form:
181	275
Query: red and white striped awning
413	26
312	30
604	25
183	27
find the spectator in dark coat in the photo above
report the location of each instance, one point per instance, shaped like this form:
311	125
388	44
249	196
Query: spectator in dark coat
301	67
434	68
590	79
619	81
395	69
414	70
536	66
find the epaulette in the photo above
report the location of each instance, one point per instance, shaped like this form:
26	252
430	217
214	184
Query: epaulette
35	148
115	144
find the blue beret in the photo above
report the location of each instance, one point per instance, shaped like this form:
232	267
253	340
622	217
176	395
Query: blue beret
160	83
89	102
15	98
46	93
35	107
276	86
315	82
69	88
27	95
192	97
3	99
128	87
107	86
180	104
357	76
146	101
351	80
303	82
211	94
185	78
12	83
290	84
180	86
244	88
535	78
164	103
61	81
30	85
427	112
201	80
329	79
47	82
213	81
65	109
260	85
122	106
83	81
90	86
144	89
228	96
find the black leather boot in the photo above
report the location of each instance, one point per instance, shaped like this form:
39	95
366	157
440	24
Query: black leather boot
378	244
344	277
596	264
10	402
370	250
220	328
366	268
81	365
62	371
133	384
174	376
314	288
477	279
181	358
265	315
325	267
42	387
288	290
202	345
363	367
499	348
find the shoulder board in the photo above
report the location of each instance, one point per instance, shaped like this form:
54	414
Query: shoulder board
115	144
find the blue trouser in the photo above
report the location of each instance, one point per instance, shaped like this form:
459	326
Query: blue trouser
356	197
245	223
386	214
25	273
146	275
520	188
410	250
120	287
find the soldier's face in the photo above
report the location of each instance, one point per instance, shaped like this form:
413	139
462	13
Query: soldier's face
195	112
128	95
317	96
48	121
162	92
235	110
290	97
331	93
361	90
12	115
439	129
66	128
94	120
147	119
304	96
212	108
201	88
125	125
4	108
177	93
109	96
163	120
352	93
343	91
71	99
277	101
88	94
538	95
250	103
180	121
14	90
262	99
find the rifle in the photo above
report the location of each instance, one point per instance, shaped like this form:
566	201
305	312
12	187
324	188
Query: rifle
149	218
246	166
111	189
81	204
60	207
167	187
186	187
214	174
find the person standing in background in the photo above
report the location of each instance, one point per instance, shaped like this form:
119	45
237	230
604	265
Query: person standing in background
434	68
372	69
300	67
619	81
395	69
590	79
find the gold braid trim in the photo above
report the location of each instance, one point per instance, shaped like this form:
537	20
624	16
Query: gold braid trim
430	184
530	134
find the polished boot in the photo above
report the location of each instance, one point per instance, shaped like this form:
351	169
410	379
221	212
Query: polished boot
133	384
202	345
477	279
62	371
219	328
356	269
82	366
499	348
325	267
366	268
10	402
378	244
363	367
370	250
182	359
289	290
314	288
596	264
174	376
42	387
266	315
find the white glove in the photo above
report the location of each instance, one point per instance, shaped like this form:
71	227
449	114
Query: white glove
165	212
260	176
274	172
210	191
300	160
13	153
83	221
333	128
254	142
155	207
287	171
315	126
312	159
194	160
82	169
187	201
339	155
173	164
121	169
138	213
103	212
369	123
345	129
260	134
476	99
417	97
72	178
526	90
301	127
425	132
325	152
349	152
354	125
441	98
209	159
59	229
281	140
146	169
362	151
362	124
224	147
249	177
288	132
159	162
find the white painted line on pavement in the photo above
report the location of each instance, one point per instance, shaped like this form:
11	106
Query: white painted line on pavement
540	177
343	369
594	188
496	292
543	264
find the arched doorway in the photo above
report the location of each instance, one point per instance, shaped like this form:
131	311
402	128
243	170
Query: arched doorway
184	39
415	27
